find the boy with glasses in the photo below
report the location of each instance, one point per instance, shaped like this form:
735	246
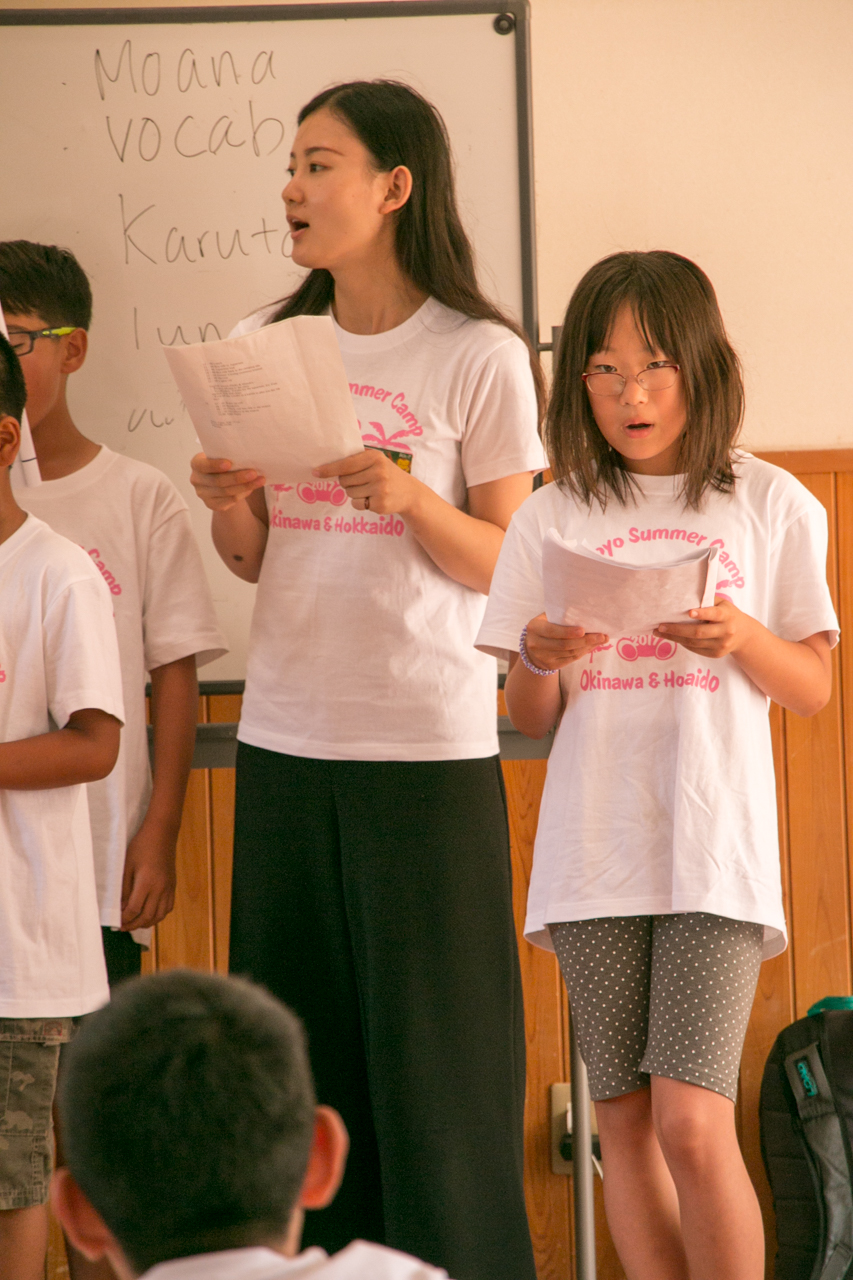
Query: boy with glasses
135	527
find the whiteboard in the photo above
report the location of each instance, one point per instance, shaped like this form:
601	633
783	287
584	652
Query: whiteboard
154	143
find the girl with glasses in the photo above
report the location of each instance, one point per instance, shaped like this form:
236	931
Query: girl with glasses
656	870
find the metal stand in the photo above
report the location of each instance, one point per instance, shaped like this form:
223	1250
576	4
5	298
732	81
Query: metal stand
582	1170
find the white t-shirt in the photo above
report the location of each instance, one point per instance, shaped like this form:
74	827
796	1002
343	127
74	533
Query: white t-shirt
660	795
358	1261
134	525
361	647
58	655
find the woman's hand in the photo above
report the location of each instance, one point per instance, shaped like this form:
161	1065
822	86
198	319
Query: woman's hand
551	646
218	486
717	631
240	524
373	482
463	544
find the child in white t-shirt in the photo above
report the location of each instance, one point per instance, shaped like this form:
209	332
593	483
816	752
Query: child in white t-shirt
133	524
656	872
60	720
227	1148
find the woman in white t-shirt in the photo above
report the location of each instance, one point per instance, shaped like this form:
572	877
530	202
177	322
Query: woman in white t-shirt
372	884
656	870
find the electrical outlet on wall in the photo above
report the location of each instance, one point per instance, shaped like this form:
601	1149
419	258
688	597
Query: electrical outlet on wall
561	1124
561	1110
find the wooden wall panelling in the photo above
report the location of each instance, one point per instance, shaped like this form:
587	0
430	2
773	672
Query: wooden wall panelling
773	1009
844	507
223	709
546	1026
56	1262
819	909
547	1193
185	938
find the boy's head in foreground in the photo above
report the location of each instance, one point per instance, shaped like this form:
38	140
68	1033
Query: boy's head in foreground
189	1124
47	302
13	396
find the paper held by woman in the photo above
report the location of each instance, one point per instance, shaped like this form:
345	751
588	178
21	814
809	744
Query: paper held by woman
583	589
276	400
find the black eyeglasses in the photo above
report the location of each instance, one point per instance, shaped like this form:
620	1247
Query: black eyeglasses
613	384
22	341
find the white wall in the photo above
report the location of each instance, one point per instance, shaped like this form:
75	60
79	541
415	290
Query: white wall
722	129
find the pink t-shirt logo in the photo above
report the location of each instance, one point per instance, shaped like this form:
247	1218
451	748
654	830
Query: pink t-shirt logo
378	437
633	647
322	491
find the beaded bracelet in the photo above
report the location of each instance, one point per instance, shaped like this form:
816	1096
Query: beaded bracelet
522	649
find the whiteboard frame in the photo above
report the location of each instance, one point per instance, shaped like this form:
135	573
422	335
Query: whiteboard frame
518	9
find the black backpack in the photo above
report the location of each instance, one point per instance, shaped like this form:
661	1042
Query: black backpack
806	1114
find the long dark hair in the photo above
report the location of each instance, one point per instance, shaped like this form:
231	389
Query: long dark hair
399	127
676	311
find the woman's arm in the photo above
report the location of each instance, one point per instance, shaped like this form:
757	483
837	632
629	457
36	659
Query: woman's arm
240	524
797	675
534	702
464	545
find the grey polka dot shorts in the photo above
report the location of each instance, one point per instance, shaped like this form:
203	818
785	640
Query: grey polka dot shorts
660	996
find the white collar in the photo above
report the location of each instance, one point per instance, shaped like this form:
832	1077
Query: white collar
238	1264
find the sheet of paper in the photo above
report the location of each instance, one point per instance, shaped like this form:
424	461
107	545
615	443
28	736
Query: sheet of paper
277	400
25	468
583	588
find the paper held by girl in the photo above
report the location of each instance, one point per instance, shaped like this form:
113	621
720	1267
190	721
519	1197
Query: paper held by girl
615	598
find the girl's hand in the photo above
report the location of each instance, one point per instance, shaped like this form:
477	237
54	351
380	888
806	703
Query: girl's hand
717	631
218	486
373	482
551	646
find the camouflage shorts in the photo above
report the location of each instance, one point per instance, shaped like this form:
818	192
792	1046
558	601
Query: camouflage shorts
29	1056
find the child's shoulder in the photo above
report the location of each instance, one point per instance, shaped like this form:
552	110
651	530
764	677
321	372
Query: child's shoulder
122	483
770	488
548	504
35	551
362	1260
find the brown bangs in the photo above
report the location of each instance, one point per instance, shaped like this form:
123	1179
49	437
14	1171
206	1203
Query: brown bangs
677	312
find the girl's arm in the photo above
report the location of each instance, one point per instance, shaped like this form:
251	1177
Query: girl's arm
240	524
534	702
797	675
464	545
